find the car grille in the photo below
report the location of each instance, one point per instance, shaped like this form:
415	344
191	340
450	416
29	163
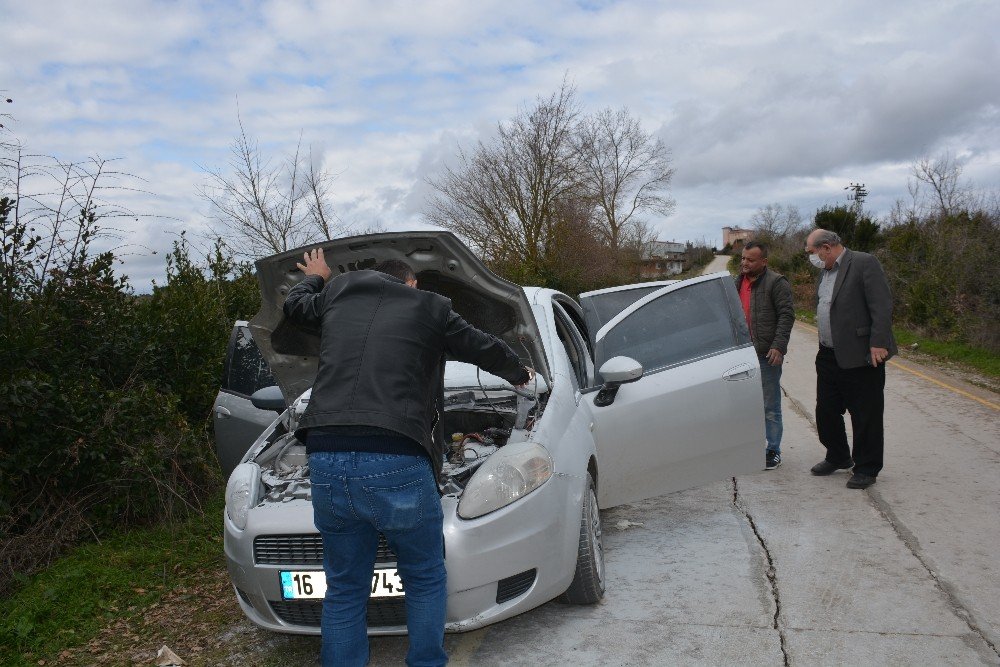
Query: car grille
303	550
512	587
382	613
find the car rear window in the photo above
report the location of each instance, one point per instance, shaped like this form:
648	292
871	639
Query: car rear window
246	370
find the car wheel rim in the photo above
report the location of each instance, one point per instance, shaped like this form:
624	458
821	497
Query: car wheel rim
596	547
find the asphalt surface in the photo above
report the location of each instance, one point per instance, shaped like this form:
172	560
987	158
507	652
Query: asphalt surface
785	568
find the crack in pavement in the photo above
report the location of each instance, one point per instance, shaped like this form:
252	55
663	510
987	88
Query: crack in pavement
950	592
771	572
798	408
909	540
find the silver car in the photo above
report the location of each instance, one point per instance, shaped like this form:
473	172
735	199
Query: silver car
640	391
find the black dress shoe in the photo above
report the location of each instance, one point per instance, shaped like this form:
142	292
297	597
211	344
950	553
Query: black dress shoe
859	480
824	467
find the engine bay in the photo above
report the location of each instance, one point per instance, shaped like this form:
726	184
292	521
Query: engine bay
476	423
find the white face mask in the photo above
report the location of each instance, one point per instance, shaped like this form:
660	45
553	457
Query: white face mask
816	261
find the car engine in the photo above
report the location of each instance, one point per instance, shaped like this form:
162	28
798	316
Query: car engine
477	423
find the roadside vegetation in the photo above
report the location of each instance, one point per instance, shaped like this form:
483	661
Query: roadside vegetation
104	395
937	251
57	616
110	495
976	358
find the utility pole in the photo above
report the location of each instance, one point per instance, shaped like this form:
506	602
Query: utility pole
858	197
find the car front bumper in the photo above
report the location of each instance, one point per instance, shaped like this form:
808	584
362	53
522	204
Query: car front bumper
499	565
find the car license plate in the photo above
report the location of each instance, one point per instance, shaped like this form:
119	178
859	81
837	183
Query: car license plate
311	584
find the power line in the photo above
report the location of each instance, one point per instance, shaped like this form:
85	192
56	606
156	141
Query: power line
859	192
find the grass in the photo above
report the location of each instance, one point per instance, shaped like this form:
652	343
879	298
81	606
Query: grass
981	360
808	316
68	604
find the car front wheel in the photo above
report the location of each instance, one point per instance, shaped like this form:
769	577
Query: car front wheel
588	584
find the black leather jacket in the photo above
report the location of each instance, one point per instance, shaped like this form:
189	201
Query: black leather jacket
382	354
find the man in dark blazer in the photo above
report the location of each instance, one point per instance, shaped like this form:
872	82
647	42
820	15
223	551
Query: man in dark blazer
854	316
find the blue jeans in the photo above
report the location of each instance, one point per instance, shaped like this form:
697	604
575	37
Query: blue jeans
770	379
355	496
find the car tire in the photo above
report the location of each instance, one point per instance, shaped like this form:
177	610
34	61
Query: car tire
588	582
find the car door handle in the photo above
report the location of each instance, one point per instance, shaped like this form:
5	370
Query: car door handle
738	373
222	413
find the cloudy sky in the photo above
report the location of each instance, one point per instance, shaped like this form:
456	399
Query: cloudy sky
760	101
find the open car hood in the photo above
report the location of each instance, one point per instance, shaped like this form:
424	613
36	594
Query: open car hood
443	264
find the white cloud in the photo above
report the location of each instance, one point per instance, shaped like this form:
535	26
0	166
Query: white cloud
760	102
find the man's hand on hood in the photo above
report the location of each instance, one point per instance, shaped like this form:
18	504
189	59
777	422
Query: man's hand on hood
315	264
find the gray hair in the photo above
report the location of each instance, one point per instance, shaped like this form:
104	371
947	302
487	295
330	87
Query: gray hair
826	237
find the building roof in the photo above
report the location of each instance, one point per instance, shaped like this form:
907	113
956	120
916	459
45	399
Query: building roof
659	249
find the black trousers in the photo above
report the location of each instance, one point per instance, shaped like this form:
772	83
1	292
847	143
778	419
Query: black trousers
859	391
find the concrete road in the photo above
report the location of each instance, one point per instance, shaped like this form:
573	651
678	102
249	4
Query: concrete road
784	568
718	263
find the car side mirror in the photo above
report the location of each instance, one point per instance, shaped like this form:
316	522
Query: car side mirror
616	371
268	398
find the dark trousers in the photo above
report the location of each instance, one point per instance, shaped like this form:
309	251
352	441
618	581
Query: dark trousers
859	391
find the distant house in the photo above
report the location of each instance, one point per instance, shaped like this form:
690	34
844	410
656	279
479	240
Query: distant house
661	259
734	237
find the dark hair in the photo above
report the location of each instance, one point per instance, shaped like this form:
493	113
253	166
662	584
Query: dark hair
755	244
396	268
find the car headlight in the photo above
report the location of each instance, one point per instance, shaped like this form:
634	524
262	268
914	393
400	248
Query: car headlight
511	473
241	492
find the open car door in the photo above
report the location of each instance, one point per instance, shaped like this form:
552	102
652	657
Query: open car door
236	422
696	415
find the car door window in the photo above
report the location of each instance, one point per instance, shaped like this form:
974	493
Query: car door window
576	349
686	324
599	309
245	371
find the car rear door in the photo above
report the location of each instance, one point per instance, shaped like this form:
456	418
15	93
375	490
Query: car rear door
236	422
696	415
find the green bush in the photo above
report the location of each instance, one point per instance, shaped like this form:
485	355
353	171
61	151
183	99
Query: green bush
942	273
105	396
185	325
857	230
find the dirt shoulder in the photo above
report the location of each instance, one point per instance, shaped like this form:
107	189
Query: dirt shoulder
202	624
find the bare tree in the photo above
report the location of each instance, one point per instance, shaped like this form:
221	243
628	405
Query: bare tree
58	211
263	209
943	176
775	221
556	190
505	197
627	172
5	120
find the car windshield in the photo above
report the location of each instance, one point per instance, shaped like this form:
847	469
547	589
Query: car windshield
460	375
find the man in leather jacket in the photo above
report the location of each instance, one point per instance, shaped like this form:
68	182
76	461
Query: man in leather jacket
368	430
